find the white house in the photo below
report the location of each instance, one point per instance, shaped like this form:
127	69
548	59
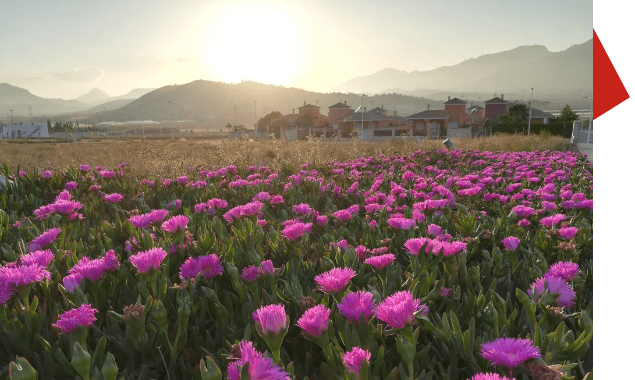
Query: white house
16	131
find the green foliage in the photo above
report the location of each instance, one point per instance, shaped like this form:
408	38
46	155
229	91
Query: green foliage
567	114
160	326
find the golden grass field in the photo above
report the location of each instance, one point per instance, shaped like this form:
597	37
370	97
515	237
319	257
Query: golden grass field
173	157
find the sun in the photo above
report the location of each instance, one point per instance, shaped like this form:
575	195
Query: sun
254	43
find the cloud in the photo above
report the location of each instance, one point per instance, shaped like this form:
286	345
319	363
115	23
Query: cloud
81	76
33	79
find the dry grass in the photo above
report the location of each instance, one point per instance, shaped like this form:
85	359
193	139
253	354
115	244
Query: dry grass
171	158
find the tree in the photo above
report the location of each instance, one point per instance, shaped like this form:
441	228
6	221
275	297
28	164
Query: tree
516	114
306	120
267	120
567	114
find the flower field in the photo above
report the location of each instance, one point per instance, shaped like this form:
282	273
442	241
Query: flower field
441	264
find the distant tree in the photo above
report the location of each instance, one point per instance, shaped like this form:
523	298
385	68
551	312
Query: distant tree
567	114
519	111
267	120
306	120
515	114
48	124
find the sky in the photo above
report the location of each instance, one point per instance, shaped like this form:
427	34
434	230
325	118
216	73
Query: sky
65	48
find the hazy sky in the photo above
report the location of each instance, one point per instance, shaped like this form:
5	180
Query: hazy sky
64	48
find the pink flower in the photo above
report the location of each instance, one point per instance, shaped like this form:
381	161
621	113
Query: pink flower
271	318
175	223
511	243
342	215
401	223
302	209
567	233
276	200
509	352
113	198
354	359
47	174
251	209
251	273
357	305
564	270
70	320
84	168
553	220
46	238
42	258
71	185
335	280
145	260
399	309
260	367
489	376
434	230
557	285
294	231
381	261
208	265
267	267
315	321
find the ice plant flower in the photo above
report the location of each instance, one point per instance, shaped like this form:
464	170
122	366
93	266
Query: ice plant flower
434	230
335	280
302	209
70	320
556	285
42	258
380	262
260	368
47	174
354	359
356	306
46	238
84	168
489	376
251	273
399	310
564	270
509	352
208	265
145	260
267	267
271	319
175	223
511	243
315	321
401	223
113	198
553	220
294	231
567	233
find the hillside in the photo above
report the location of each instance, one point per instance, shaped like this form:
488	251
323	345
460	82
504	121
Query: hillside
216	104
521	68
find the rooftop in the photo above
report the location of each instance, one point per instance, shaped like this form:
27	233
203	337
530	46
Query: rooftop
429	114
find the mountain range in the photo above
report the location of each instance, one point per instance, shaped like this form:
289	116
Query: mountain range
512	71
559	77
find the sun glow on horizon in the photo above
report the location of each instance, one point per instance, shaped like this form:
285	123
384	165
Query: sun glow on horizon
255	43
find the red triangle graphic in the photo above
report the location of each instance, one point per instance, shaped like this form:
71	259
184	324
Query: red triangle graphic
607	85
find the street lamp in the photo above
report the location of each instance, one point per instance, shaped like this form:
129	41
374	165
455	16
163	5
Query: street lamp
588	133
363	116
171	126
529	124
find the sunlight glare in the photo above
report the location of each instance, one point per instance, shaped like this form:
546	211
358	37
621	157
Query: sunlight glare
255	43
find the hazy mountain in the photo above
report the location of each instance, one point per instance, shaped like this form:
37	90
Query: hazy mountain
514	70
216	104
95	95
20	100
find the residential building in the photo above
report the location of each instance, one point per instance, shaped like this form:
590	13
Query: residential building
432	123
495	107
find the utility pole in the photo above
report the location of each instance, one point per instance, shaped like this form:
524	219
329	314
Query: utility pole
529	123
11	116
363	117
255	116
